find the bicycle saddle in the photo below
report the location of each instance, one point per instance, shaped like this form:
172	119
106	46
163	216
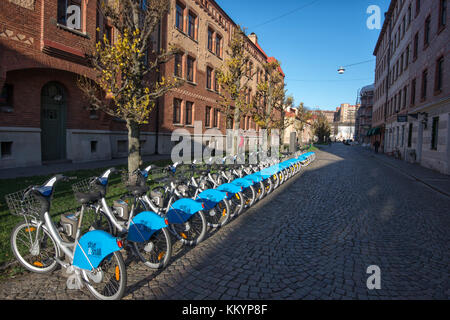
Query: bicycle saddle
138	190
85	198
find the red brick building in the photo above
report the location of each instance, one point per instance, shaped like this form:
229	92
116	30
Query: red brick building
43	115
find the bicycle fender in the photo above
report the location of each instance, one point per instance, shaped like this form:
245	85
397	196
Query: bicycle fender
255	178
241	182
144	225
230	188
182	210
266	173
92	248
211	198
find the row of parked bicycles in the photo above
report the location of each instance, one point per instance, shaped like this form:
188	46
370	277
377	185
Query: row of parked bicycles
181	202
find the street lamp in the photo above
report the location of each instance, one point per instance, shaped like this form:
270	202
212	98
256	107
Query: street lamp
341	69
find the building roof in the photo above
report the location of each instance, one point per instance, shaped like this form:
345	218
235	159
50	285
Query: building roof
370	87
272	59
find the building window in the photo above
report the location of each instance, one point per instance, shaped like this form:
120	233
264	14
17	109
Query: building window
103	29
426	37
405	94
416	46
190	69
6	97
410	135
218	45
188	113
210	39
216	82
192	22
407	57
403	136
417	7
397	137
216	118
409	15
413	92
439	75
179	18
208	117
94	146
423	94
442	14
178	65
70	13
6	149
176	111
435	133
209	73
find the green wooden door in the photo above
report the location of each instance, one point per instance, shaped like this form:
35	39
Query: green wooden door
53	122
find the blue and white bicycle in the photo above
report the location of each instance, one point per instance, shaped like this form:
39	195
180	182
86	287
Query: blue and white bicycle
92	260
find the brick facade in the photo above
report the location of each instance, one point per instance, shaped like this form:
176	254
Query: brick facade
38	49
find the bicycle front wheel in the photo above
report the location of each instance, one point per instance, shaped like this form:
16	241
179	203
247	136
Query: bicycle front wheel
34	249
109	280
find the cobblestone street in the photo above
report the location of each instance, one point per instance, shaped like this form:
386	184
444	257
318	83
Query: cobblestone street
312	239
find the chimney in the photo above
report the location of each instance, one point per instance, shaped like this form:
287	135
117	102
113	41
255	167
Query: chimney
253	37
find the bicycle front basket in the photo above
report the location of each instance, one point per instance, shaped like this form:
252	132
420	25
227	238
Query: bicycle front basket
18	206
87	186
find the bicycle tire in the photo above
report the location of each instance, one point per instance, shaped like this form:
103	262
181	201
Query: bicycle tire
38	265
219	215
249	195
159	256
184	233
236	204
119	272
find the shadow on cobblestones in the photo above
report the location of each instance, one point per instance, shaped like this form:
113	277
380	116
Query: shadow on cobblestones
313	238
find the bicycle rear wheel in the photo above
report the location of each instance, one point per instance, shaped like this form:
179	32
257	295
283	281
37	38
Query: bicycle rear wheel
191	232
156	252
109	280
36	252
249	195
219	215
236	204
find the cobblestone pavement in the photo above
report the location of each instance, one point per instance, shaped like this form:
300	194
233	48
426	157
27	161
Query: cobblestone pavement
314	238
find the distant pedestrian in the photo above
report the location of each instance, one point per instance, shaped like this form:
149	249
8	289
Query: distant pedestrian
377	146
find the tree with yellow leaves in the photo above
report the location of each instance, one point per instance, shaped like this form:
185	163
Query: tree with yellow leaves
233	79
270	101
128	84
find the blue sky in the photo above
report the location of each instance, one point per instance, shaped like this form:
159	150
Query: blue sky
313	42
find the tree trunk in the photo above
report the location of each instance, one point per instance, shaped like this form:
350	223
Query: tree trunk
134	146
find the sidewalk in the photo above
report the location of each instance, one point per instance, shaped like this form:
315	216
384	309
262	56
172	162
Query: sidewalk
433	179
56	168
